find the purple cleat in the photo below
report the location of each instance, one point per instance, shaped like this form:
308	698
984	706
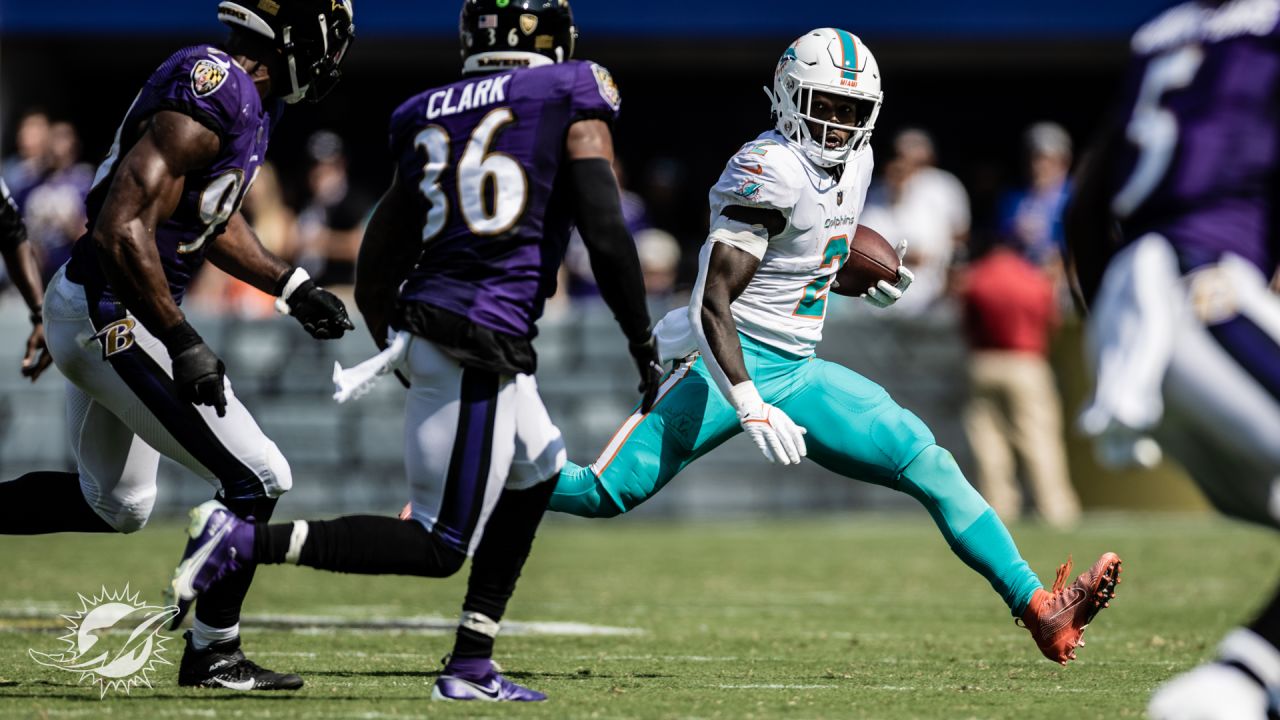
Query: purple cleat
220	544
476	679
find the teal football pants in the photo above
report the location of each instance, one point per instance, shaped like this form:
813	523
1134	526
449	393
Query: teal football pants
854	429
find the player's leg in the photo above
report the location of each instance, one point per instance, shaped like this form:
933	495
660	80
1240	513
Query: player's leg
125	370
1035	428
689	418
1223	424
460	438
457	451
986	429
113	489
856	430
501	553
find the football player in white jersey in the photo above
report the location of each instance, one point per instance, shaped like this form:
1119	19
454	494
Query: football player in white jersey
782	214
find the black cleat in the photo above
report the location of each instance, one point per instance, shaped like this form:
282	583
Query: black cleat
222	665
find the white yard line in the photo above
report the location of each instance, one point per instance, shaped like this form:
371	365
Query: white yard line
431	623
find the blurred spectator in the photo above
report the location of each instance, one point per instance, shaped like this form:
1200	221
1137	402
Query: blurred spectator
580	282
659	261
1031	218
26	167
331	225
53	208
926	205
1015	411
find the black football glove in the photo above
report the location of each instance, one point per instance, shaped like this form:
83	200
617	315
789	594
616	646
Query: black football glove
646	356
321	313
199	374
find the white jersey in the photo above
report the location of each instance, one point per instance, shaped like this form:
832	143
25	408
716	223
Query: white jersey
785	304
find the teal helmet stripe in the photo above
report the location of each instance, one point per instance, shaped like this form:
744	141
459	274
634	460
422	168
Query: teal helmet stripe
850	53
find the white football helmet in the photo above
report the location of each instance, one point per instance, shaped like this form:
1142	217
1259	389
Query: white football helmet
831	61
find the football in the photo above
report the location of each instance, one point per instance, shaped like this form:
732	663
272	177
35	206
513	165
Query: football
871	259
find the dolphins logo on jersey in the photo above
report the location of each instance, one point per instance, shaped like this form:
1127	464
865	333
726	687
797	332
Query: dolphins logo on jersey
749	190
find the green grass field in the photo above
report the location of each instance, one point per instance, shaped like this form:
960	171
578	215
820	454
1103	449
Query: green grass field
838	617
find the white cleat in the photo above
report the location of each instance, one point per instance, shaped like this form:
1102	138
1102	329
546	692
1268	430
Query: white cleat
1223	690
1210	692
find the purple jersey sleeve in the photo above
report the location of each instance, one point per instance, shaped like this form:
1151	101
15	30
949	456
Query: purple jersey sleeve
1201	147
595	94
203	86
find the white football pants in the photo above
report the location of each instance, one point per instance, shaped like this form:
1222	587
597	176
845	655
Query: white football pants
468	434
123	412
1197	359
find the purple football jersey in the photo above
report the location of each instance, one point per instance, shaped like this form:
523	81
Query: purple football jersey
204	83
486	154
1202	121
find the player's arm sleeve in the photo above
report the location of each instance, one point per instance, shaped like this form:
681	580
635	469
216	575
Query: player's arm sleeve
614	261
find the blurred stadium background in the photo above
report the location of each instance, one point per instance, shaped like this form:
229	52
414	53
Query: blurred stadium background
975	76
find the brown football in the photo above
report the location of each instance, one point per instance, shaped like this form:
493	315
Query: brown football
871	259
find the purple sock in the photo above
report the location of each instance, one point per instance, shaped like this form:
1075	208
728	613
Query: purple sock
469	668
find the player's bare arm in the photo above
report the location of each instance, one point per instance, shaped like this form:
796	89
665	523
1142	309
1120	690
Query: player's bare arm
239	253
614	261
729	262
25	272
147	188
390	249
729	270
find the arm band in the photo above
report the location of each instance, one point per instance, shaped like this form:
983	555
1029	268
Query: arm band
614	261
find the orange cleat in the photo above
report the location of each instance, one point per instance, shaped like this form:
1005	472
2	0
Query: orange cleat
1057	619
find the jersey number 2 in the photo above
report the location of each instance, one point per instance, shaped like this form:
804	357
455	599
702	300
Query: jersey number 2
813	304
478	171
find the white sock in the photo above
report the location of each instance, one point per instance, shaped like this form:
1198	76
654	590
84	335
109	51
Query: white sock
202	636
1251	650
479	622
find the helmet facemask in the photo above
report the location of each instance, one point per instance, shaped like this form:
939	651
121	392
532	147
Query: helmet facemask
312	38
314	63
834	63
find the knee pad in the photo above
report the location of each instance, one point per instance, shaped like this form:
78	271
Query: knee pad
130	516
278	477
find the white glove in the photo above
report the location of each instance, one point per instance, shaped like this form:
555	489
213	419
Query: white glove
780	439
884	294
